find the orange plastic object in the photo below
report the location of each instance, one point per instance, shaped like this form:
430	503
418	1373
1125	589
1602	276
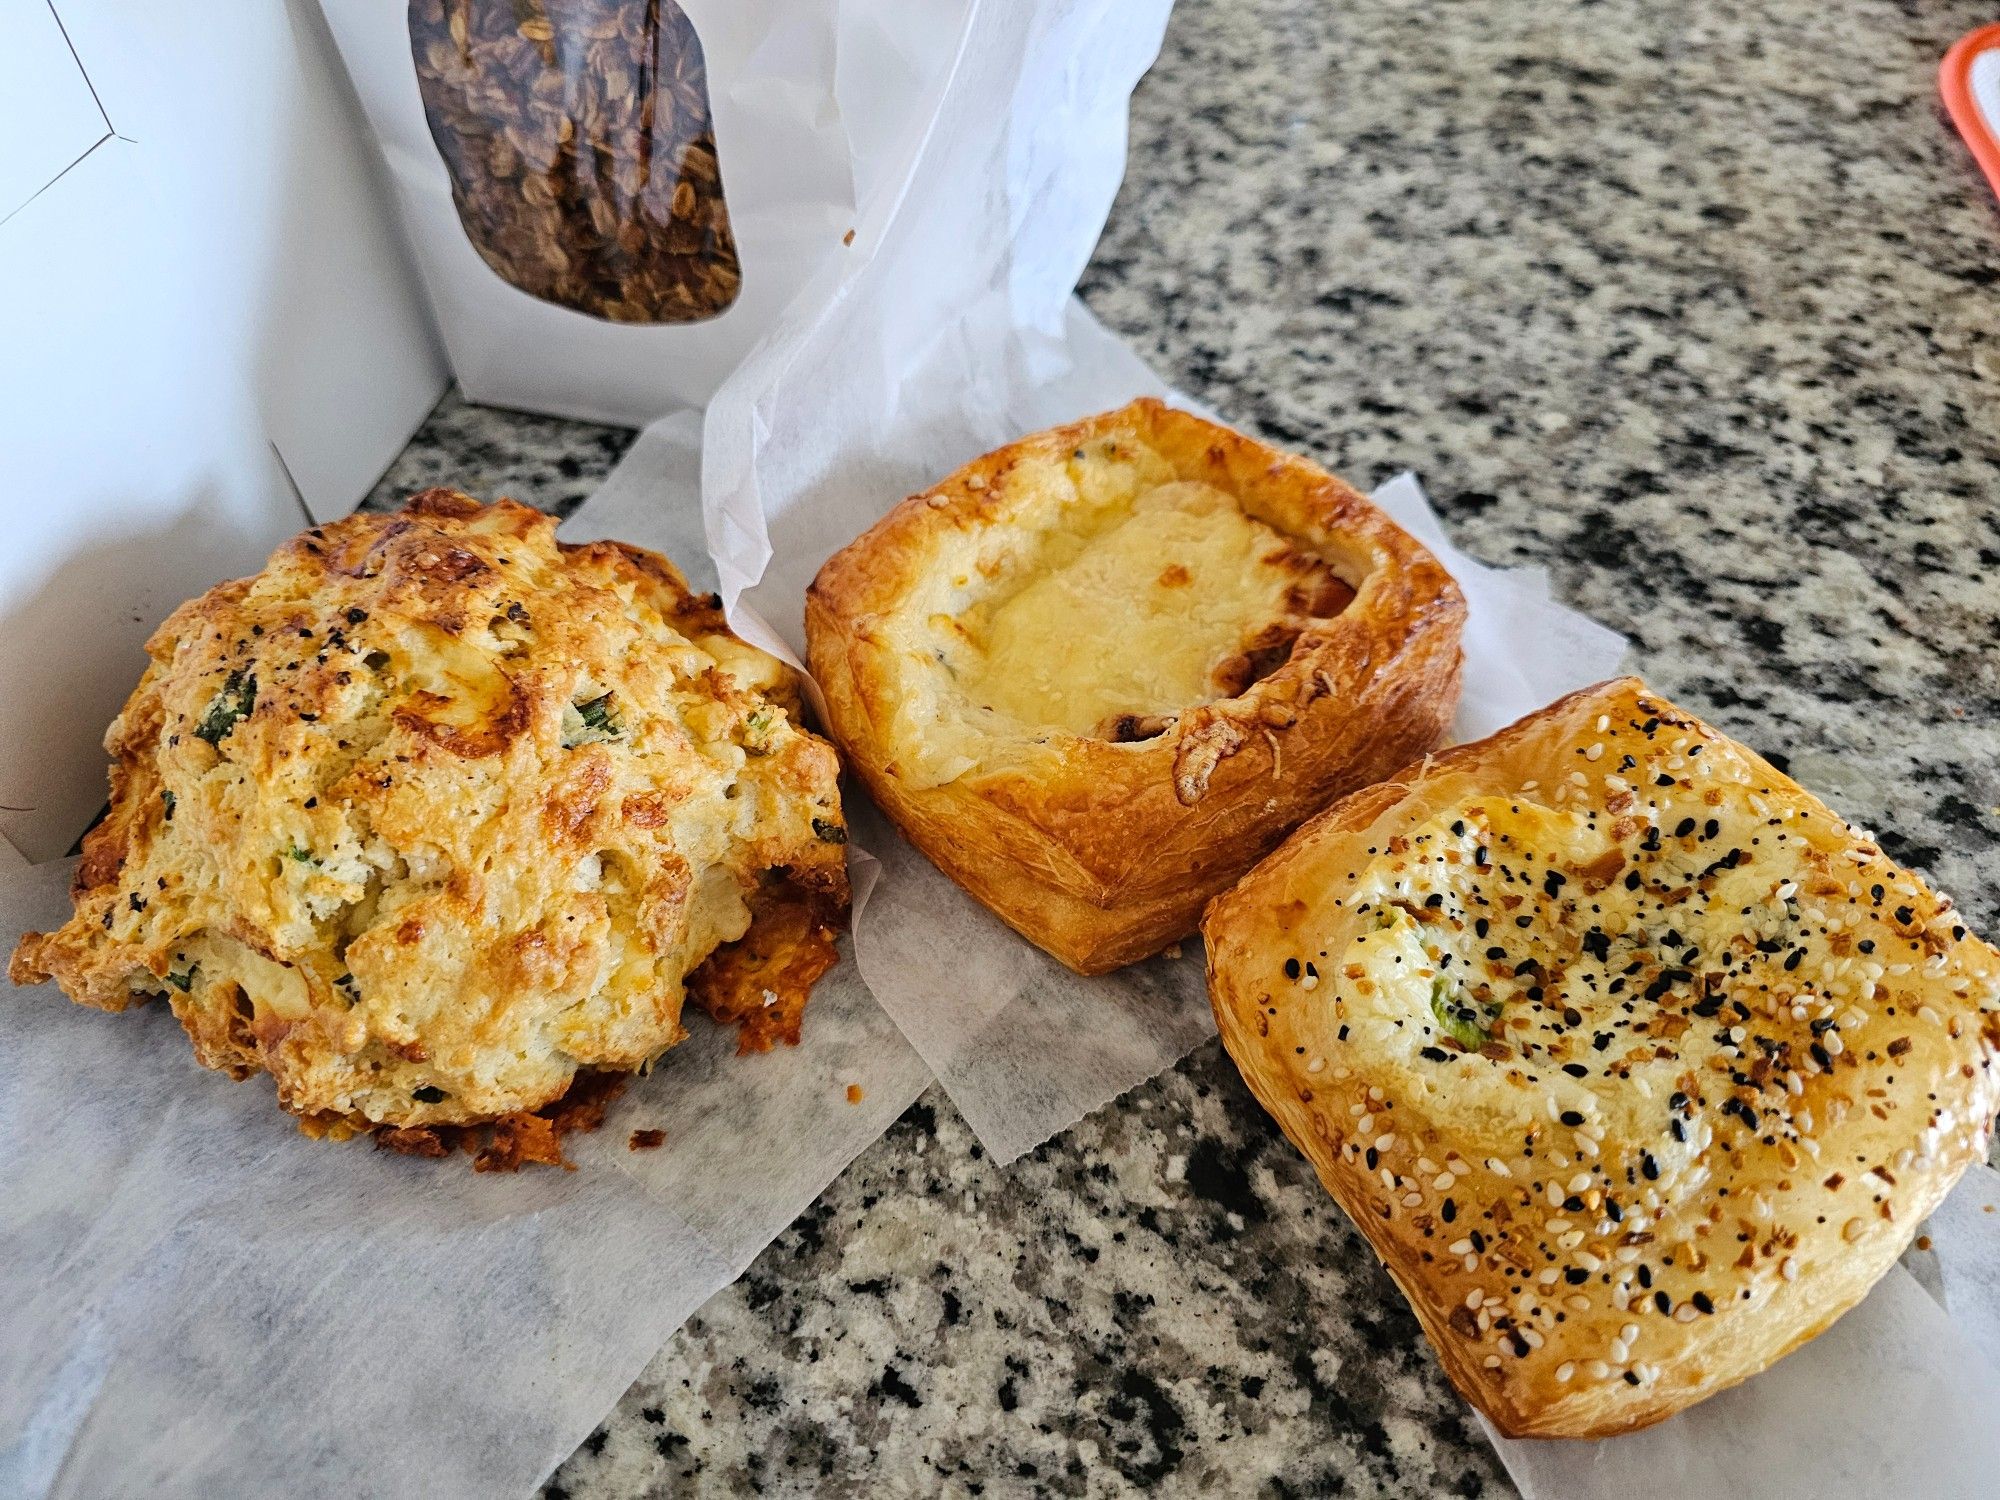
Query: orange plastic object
1971	89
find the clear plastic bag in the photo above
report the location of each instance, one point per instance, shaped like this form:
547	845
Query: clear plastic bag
581	151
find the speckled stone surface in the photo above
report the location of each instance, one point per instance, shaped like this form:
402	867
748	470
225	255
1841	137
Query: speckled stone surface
1697	313
541	461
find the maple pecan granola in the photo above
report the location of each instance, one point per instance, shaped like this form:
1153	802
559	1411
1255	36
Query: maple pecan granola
581	151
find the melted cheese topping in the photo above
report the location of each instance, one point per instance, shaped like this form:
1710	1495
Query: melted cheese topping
1134	616
1636	984
1591	973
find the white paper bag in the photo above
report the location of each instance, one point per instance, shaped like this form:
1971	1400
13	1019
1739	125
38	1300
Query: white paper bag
562	127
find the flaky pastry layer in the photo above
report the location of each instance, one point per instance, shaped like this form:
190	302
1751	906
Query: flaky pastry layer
1097	674
1635	1063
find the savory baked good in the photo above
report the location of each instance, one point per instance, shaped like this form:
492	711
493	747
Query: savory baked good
1636	1065
1098	674
435	812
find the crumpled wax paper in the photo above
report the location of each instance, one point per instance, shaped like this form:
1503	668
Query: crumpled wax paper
202	1302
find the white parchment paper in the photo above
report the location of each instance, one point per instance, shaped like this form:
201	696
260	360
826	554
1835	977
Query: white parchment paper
1957	1259
200	1301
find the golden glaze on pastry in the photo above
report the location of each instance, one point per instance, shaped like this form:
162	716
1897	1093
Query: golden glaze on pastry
1636	1064
435	812
1097	674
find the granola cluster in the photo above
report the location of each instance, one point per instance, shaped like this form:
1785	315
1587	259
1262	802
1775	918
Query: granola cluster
581	151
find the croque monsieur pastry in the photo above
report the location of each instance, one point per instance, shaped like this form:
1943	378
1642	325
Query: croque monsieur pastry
1636	1065
435	813
1098	674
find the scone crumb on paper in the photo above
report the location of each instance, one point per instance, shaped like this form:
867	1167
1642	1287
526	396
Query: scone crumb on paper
524	1138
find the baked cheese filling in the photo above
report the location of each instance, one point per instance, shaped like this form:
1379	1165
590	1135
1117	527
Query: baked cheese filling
1641	979
1171	599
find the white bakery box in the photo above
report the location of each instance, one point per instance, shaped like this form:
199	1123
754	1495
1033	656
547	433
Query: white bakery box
209	336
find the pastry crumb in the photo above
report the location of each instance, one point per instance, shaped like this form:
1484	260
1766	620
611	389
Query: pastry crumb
647	1140
854	1093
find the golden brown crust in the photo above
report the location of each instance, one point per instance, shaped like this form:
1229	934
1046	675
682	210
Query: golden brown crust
435	814
1750	1056
1102	848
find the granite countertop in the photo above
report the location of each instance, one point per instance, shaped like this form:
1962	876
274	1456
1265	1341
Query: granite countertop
1698	313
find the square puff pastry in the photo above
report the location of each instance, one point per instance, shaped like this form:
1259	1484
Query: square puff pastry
1098	674
1636	1065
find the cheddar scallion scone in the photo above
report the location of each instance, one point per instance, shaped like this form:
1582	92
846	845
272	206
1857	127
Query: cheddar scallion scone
1096	675
435	813
1635	1063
